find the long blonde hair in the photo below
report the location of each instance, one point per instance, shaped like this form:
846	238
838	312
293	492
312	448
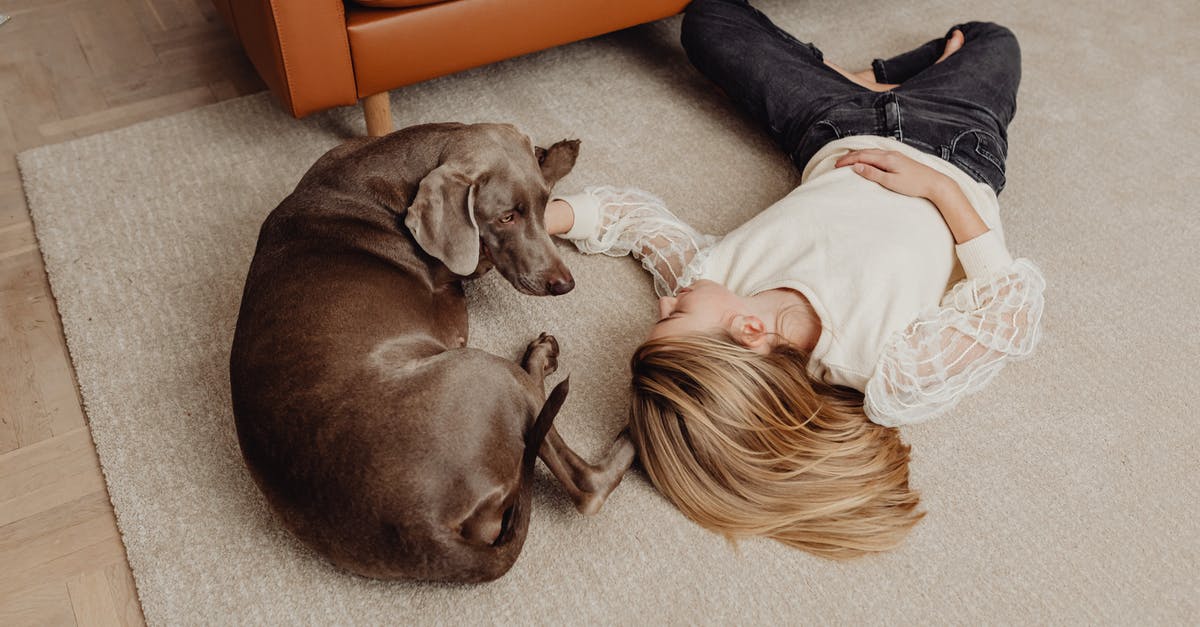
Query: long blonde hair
752	445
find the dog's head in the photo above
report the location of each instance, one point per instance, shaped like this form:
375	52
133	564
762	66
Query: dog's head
486	203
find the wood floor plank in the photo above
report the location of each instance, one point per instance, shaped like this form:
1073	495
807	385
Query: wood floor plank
74	443
70	68
12	195
208	10
37	383
38	552
92	600
50	519
9	82
163	80
52	60
198	31
224	90
166	15
32	103
35	479
12	390
70	489
196	49
24	8
127	114
243	79
9	440
124	594
111	38
45	604
17	239
61	567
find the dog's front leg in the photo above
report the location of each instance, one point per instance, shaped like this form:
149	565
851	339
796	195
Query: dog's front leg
588	484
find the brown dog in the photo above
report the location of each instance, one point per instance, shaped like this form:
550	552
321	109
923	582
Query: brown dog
381	441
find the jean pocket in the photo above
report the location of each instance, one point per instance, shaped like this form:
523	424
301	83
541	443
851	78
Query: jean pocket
814	139
829	128
981	154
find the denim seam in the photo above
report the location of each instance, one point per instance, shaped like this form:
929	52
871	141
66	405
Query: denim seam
929	148
975	173
966	165
804	144
978	147
989	156
762	17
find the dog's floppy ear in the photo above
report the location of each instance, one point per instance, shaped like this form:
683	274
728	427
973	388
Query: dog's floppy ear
557	160
442	219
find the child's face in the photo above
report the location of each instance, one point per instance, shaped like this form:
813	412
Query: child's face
704	307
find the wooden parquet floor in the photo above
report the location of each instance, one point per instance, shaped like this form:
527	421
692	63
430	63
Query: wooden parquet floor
70	68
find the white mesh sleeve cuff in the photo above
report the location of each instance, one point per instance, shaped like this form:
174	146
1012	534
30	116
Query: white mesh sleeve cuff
983	255
586	208
622	221
957	349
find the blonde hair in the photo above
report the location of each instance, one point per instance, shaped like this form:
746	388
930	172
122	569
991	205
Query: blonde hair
752	445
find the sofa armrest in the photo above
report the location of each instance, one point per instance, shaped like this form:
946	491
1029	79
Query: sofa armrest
299	47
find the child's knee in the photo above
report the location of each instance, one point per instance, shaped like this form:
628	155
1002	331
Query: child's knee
712	24
697	8
700	6
705	19
999	40
981	31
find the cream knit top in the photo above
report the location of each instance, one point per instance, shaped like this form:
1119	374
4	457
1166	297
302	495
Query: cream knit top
899	321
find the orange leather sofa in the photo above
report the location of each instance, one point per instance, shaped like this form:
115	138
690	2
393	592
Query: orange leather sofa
317	54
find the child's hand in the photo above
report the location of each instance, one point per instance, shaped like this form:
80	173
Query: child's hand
897	172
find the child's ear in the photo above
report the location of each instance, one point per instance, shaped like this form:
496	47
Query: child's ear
749	331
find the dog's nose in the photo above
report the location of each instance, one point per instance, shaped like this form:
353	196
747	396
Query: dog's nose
560	286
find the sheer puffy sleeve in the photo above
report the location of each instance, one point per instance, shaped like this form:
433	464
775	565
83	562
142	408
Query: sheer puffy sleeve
622	221
986	320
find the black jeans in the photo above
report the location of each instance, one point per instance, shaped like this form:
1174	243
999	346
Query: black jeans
958	109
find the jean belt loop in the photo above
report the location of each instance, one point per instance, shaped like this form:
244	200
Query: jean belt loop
891	109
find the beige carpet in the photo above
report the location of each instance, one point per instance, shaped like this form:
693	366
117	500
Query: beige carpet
1065	493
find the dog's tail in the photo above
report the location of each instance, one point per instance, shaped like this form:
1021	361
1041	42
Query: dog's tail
514	533
537	433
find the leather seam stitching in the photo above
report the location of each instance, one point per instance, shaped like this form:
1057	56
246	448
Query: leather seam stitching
340	13
340	9
283	57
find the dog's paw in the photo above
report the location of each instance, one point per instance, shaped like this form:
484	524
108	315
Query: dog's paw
542	355
601	479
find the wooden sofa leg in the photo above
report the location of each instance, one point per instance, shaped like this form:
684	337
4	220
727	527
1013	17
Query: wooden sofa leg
377	109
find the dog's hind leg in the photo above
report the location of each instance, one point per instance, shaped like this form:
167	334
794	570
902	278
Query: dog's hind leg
587	484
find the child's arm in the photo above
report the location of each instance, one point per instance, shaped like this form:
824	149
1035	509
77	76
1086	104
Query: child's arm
559	217
982	324
618	222
987	320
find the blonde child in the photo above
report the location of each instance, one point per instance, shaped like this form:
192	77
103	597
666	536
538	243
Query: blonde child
878	293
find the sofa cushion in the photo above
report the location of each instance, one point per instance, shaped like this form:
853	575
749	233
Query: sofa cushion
396	4
405	46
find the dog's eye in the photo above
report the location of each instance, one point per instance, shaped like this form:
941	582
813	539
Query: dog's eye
508	217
